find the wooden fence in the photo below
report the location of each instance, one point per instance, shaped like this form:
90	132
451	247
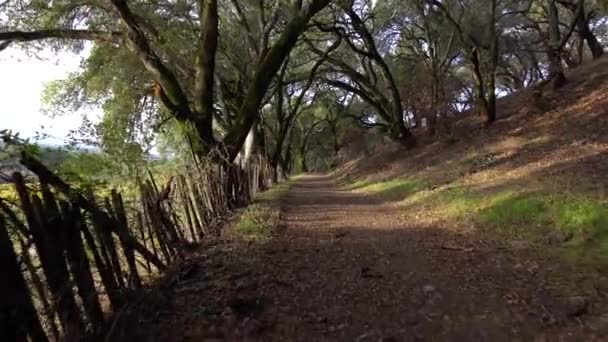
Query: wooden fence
69	260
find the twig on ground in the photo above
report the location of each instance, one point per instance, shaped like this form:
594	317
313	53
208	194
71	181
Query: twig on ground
457	248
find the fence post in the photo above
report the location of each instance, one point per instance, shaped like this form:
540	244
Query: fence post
107	277
105	228
154	223
192	209
37	284
123	232
184	203
53	264
49	314
18	316
47	238
199	205
104	240
142	231
79	265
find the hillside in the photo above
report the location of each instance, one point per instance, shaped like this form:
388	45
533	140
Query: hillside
536	181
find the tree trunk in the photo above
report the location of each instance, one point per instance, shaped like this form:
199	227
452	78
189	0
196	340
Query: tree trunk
491	91
303	152
336	143
260	147
286	162
304	165
248	147
278	150
275	161
399	130
556	72
268	68
487	114
580	51
304	146
205	69
585	33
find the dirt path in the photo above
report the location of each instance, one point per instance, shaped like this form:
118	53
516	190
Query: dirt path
345	267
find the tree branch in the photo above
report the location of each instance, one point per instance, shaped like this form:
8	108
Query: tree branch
267	70
578	11
311	76
363	95
240	17
9	37
137	43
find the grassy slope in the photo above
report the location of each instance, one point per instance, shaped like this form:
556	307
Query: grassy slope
537	179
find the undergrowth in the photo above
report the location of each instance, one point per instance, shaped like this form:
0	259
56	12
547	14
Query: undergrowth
276	191
576	226
257	221
568	224
395	189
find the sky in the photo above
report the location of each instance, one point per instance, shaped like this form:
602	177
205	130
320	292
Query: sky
22	80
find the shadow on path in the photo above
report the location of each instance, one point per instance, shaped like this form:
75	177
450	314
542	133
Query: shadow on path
345	267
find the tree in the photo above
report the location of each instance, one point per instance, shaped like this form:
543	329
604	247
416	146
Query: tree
241	77
293	104
583	19
137	28
477	37
349	24
426	56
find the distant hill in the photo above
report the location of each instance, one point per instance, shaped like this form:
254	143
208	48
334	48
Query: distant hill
51	156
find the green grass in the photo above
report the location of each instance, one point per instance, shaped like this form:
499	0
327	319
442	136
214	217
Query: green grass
276	191
580	224
508	210
257	222
587	222
395	189
583	216
358	184
455	202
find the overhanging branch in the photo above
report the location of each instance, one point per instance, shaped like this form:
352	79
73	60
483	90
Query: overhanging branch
6	38
137	43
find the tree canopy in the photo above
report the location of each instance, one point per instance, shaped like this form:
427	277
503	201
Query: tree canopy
288	79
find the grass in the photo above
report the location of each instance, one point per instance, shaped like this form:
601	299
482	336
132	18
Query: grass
394	189
276	191
258	221
583	216
587	222
574	227
564	223
358	184
507	210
